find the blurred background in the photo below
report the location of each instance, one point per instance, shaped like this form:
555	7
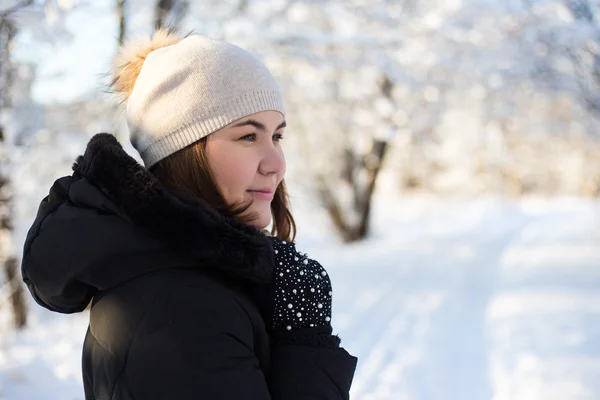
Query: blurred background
443	163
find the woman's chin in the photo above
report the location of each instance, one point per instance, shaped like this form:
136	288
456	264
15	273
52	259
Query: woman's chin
263	220
261	223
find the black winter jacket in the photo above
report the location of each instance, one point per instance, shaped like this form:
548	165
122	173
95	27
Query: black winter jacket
180	305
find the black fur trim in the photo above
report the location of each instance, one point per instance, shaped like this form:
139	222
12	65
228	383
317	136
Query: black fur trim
187	224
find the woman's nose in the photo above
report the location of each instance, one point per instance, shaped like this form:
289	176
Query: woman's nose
273	161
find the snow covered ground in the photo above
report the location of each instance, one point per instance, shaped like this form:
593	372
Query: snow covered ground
467	300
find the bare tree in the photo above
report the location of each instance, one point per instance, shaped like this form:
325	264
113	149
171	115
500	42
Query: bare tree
359	172
169	13
13	286
121	4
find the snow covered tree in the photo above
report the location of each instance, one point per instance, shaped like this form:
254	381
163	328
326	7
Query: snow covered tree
20	123
12	289
355	179
585	55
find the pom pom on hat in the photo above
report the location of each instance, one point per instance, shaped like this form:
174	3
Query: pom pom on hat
130	59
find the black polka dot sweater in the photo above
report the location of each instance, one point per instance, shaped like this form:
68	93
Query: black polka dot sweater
302	296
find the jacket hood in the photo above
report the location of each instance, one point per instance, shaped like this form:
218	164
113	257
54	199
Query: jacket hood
111	221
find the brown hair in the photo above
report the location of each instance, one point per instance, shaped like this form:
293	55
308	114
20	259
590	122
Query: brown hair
187	171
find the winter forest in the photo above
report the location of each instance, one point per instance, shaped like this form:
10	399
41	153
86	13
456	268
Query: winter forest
443	165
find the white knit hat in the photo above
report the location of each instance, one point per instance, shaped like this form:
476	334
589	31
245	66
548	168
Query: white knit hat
181	90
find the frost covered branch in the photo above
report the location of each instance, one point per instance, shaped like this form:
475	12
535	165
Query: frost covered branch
14	8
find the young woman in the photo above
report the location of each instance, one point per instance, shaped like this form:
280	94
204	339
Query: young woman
191	297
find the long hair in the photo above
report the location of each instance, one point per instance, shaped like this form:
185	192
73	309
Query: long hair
187	171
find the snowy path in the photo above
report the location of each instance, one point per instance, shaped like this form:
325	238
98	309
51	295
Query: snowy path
477	301
545	320
508	307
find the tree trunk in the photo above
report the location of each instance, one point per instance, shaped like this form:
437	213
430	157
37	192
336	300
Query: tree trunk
17	295
169	13
122	20
373	166
363	195
161	13
7	256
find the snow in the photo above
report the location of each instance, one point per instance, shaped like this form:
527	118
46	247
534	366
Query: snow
44	361
458	299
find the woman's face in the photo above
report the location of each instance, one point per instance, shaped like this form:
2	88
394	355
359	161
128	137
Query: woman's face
247	161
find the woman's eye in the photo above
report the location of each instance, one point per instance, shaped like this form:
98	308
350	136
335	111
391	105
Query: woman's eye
251	137
277	137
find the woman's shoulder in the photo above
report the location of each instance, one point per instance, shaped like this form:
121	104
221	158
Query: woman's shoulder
187	294
154	310
184	284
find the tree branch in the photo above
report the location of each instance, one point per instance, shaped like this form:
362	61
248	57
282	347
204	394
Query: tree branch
14	8
333	208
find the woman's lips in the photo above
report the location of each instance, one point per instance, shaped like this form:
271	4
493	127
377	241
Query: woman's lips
261	194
